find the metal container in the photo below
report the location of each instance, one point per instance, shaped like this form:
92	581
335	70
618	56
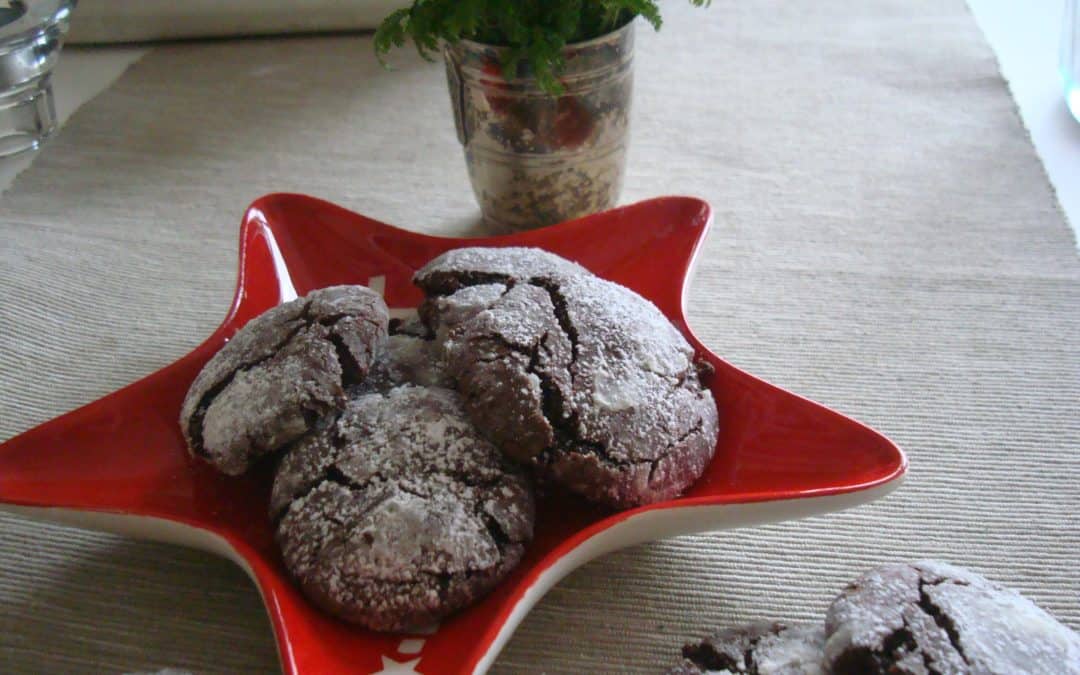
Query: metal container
534	158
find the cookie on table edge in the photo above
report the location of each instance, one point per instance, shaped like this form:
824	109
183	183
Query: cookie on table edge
932	617
757	649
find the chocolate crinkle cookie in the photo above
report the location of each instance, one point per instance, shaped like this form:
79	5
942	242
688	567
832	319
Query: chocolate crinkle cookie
396	512
936	619
579	377
758	649
269	384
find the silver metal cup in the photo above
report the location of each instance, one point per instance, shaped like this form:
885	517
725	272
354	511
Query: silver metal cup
535	159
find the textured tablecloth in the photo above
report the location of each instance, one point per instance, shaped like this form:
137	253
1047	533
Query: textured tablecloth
885	242
131	20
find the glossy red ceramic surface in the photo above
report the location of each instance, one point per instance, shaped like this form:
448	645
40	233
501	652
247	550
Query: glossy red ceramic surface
124	453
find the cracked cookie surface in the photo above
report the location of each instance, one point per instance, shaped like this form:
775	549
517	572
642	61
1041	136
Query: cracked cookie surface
286	367
577	376
396	512
477	265
757	649
410	355
931	618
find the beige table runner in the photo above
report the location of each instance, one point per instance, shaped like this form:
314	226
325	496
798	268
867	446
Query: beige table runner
885	242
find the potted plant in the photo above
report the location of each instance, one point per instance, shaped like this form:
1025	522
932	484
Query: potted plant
541	96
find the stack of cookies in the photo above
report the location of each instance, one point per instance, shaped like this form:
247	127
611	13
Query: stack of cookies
407	449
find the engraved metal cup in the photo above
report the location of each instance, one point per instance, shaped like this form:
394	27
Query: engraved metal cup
535	158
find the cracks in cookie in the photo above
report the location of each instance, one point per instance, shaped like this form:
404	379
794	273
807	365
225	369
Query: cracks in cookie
583	447
860	659
748	656
329	320
304	319
330	474
334	474
195	428
696	429
448	283
900	642
562	313
748	659
311	417
928	664
329	424
408	489
473	482
563	420
943	621
527	351
494	529
681	378
351	371
708	659
398	326
566	422
443	579
901	638
552	402
554	406
655	463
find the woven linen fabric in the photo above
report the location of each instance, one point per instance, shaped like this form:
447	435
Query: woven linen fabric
885	242
100	21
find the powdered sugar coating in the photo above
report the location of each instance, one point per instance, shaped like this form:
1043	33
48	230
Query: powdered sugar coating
410	355
757	649
576	375
478	265
442	312
281	371
931	617
504	359
397	512
635	382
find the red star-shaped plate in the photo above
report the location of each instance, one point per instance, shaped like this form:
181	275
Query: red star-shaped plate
119	463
